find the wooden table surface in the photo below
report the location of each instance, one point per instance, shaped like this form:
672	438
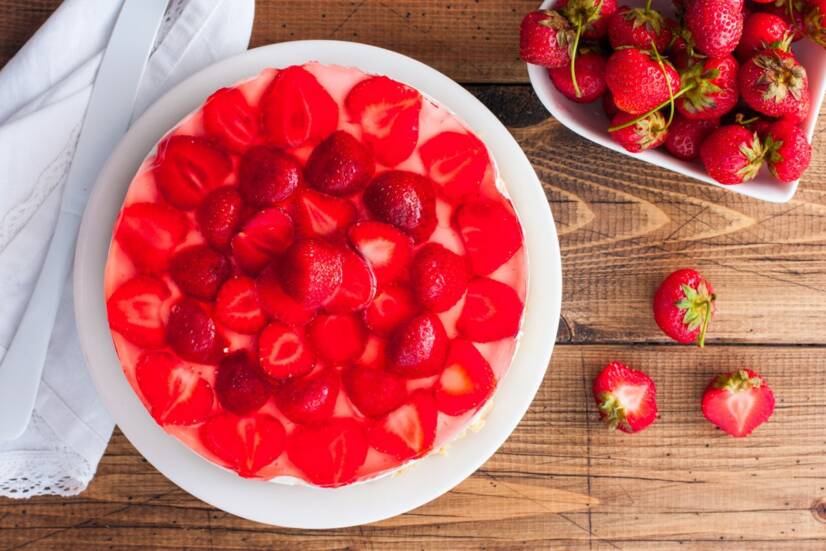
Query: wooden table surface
561	481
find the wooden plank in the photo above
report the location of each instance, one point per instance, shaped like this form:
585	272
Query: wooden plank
18	21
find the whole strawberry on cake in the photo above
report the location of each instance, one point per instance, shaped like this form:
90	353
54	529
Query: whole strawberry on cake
315	276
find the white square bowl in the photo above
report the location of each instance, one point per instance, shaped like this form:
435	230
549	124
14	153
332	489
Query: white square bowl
589	121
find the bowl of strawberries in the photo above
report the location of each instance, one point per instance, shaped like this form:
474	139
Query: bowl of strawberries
724	91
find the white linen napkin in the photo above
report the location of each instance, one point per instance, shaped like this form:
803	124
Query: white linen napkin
44	91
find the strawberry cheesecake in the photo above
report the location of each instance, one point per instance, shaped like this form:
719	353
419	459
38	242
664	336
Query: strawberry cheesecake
316	276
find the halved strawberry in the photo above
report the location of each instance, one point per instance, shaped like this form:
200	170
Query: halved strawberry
328	454
408	431
134	311
438	277
188	168
340	165
267	234
374	392
457	162
374	355
229	117
337	338
492	311
177	395
387	249
267	176
278	303
321	215
491	234
149	233
284	352
388	112
237	306
393	306
738	402
191	332
404	199
245	444
418	348
311	271
199	271
467	380
219	216
358	284
626	398
240	385
310	399
297	109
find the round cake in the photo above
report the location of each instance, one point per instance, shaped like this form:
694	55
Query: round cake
316	276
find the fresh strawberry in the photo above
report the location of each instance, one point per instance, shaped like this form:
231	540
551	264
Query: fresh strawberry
647	133
408	431
321	215
311	271
340	165
684	305
374	392
149	233
438	277
685	136
386	249
802	114
176	394
229	117
590	77
637	82
277	303
732	154
467	380
310	399
358	284
638	27
545	38
328	454
456	162
418	347
134	311
374	355
788	152
393	306
490	232
239	384
267	176
284	352
188	168
238	307
792	12
219	216
715	25
773	82
713	92
296	109
244	444
191	332
337	338
592	16
267	234
738	402
762	30
199	271
682	52
404	199
388	112
815	21
626	398
492	311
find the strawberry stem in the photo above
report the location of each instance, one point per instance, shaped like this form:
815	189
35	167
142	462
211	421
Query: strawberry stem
667	82
573	61
657	108
701	336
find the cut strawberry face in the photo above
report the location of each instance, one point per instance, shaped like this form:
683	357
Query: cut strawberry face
457	162
492	311
358	284
240	385
297	109
374	392
134	311
374	355
337	338
245	444
267	176
626	398
409	431
278	303
199	271
738	402
311	272
404	199
191	333
386	249
340	165
467	380
284	352
309	399
149	233
264	236
237	306
393	306
388	112
189	168
329	454
219	216
230	118
321	215
418	348
438	277
491	234
177	395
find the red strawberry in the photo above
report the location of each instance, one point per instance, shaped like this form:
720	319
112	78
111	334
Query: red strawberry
149	233
219	216
297	109
439	277
545	38
773	82
490	232
796	20
408	431
199	271
467	380
374	392
267	176
329	454
229	117
134	311
738	402
239	384
684	305
685	136
284	352
638	27
456	162
278	303
591	15
310	399
340	165
386	249
418	348
590	77
358	284
393	306
188	168
404	199
802	114
626	398
176	394
732	154
788	152
637	81
264	236
337	338
715	25
245	444
374	355
682	50
713	91
321	215
191	333
238	307
492	311
648	133
311	271
388	112
762	30
815	21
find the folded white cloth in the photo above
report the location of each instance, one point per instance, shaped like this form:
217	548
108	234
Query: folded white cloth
44	90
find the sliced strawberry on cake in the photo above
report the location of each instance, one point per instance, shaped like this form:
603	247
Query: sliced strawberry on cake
457	162
277	303
188	168
238	307
199	271
374	391
491	233
408	431
340	165
175	392
439	277
134	311
240	385
245	444
264	236
284	352
149	233
418	348
358	284
393	306
387	249
467	380
229	117
310	399
192	334
329	454
404	199
320	215
492	311
267	176
219	216
337	338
